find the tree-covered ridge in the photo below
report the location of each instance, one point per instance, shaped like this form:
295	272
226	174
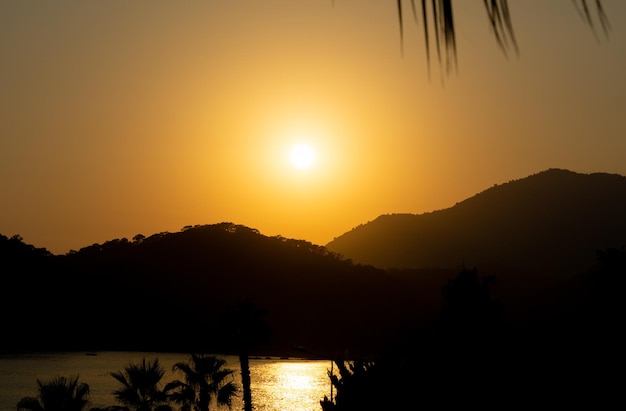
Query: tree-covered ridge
213	236
14	249
187	280
549	223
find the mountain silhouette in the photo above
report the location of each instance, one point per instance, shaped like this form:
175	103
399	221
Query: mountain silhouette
515	292
538	237
168	291
550	223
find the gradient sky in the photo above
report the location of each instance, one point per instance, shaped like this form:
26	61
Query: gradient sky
124	117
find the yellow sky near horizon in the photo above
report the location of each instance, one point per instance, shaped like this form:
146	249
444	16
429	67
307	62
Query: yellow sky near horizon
119	118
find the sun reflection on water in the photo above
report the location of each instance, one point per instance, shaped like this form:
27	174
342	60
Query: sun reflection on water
294	376
290	385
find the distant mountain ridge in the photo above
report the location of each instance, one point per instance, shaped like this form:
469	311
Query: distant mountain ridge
550	222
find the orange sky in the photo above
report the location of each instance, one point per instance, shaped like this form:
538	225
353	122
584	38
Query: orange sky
119	118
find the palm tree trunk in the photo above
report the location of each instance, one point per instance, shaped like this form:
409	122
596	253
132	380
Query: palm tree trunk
245	378
250	330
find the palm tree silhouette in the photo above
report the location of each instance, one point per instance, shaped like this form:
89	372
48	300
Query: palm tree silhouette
140	389
205	380
58	394
437	19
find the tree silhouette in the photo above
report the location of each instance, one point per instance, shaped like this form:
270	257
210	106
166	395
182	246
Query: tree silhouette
435	366
468	310
58	394
206	381
141	387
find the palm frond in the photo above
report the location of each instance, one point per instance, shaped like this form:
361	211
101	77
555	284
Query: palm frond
120	377
443	32
449	36
426	37
226	393
29	404
585	14
435	12
401	25
205	380
501	25
442	27
60	393
604	20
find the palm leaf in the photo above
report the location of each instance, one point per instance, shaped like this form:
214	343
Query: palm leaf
585	14
226	393
29	404
426	38
501	25
443	28
401	25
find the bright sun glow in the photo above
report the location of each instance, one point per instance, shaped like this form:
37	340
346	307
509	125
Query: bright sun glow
302	156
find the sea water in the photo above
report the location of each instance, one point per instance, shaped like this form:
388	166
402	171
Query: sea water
277	384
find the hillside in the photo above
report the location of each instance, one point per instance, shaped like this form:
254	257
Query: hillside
170	292
550	223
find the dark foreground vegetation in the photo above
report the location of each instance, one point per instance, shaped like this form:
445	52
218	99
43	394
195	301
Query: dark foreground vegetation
473	355
470	355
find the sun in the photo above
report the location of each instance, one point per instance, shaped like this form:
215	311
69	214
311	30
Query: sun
302	156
